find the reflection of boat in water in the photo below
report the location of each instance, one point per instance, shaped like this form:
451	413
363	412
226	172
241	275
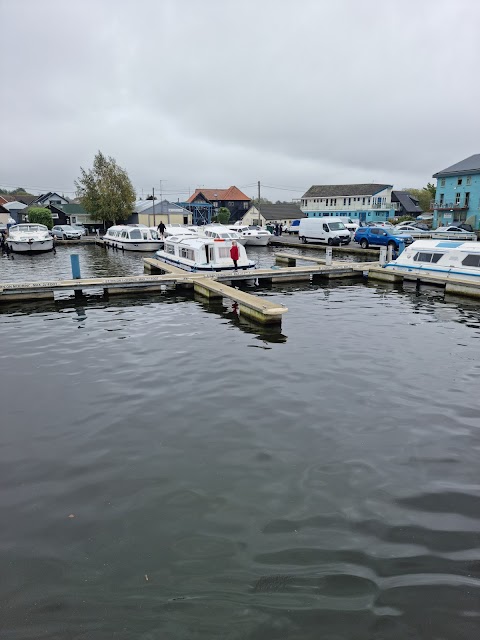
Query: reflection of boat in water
29	238
132	238
439	257
194	253
253	235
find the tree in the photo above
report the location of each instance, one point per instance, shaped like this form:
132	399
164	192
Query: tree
40	215
106	191
257	201
223	215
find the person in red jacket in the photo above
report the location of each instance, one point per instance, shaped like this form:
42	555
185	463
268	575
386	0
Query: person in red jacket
234	254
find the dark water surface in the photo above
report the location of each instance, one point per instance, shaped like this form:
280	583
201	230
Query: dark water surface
170	471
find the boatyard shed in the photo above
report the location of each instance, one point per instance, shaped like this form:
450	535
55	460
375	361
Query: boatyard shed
152	212
265	213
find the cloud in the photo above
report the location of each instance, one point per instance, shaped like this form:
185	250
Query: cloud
226	92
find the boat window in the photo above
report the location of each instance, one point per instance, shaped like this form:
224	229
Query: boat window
211	254
189	254
427	257
472	260
170	248
135	234
223	252
123	234
154	234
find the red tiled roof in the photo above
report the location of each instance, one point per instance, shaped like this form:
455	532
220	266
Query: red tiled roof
4	199
232	193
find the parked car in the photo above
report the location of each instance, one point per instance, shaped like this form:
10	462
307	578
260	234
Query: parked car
351	225
293	228
329	230
412	223
379	236
380	223
81	228
450	229
408	228
66	232
465	226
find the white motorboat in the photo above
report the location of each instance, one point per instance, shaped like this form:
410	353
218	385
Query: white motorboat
132	238
253	235
439	257
219	231
29	238
195	253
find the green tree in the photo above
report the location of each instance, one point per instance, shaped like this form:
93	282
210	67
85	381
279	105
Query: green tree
256	201
40	215
223	215
105	191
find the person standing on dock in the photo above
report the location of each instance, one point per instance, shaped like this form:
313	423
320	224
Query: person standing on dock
235	254
161	229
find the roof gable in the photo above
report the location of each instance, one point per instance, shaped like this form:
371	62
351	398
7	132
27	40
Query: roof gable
408	202
70	209
338	190
280	211
469	165
232	193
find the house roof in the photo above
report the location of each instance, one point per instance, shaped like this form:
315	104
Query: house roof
146	206
3	210
14	206
338	190
18	197
70	209
408	202
280	211
469	165
45	196
232	193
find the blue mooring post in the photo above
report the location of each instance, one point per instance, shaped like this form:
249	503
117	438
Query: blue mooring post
75	260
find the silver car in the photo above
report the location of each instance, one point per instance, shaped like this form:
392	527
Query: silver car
66	232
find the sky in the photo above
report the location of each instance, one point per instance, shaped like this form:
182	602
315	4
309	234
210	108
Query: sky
192	93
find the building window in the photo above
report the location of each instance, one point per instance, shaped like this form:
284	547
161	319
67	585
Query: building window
231	204
442	182
363	200
215	204
349	201
442	195
369	200
468	180
344	202
467	199
245	205
459	182
326	202
457	199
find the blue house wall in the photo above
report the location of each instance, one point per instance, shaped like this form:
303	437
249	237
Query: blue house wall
356	214
455	194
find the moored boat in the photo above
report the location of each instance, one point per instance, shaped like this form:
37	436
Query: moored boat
202	254
447	258
29	238
252	235
132	238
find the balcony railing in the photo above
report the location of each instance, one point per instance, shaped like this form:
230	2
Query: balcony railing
443	206
385	205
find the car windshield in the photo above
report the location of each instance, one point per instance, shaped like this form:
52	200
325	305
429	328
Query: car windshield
336	226
67	227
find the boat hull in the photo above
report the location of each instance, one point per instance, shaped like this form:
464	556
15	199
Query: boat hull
257	241
414	273
133	245
36	246
202	268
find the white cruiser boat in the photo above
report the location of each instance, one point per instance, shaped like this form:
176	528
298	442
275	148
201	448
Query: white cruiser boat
132	238
219	231
29	238
439	257
202	254
254	236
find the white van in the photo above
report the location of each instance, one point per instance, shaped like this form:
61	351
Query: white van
329	230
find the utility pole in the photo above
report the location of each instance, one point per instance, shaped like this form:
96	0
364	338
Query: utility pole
153	196
259	192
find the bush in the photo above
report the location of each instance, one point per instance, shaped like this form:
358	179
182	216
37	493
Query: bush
40	215
223	215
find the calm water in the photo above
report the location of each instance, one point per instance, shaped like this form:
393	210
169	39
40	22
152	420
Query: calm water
169	471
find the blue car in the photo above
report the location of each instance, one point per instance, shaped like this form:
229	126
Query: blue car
381	236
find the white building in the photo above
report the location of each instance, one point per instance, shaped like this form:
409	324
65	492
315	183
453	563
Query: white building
360	201
270	213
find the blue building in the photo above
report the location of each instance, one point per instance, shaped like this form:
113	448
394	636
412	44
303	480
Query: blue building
458	193
364	202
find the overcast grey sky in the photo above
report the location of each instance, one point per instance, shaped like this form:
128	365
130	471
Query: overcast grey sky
217	92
